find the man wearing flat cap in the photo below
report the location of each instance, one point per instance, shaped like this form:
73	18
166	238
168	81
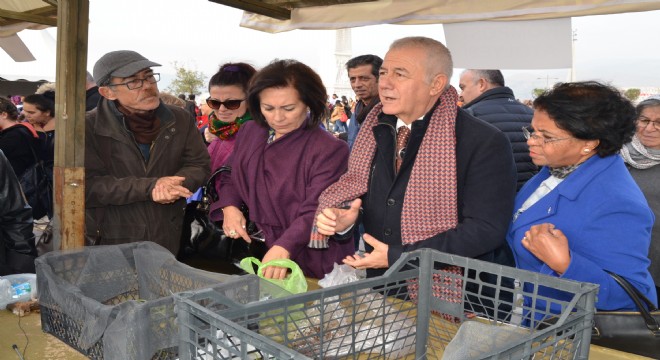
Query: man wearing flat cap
142	157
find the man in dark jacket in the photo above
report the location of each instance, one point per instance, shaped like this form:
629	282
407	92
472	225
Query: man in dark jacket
142	157
363	75
17	248
484	96
92	95
450	187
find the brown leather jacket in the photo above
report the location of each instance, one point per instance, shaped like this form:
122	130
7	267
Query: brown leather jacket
118	203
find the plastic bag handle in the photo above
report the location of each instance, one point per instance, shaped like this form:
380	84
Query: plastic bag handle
294	282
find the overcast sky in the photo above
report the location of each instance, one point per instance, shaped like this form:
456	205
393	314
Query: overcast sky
201	35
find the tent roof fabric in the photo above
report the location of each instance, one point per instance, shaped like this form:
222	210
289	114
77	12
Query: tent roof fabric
432	12
18	87
18	15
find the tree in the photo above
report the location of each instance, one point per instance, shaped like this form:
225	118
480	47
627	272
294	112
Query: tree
186	81
632	94
537	91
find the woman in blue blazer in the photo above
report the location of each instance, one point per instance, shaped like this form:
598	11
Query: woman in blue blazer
583	213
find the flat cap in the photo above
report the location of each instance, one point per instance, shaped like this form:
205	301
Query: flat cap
120	63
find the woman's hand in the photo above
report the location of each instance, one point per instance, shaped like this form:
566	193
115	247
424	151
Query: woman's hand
377	259
208	136
275	272
234	223
333	220
549	245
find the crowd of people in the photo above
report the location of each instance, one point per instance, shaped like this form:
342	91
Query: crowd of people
411	163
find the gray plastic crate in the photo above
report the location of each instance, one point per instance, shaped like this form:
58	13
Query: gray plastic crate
383	318
115	302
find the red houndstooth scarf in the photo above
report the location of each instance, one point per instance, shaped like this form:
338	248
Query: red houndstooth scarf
429	206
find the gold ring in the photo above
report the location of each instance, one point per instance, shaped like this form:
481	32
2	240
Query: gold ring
232	233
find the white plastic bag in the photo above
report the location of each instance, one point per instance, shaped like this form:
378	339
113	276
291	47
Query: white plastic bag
342	274
356	322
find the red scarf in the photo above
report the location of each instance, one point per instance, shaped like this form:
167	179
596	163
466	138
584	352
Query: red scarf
429	205
224	130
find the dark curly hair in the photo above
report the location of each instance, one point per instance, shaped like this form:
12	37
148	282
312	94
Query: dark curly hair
8	107
285	73
591	110
43	102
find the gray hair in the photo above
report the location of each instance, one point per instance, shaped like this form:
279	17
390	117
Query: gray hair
89	78
650	102
438	56
494	77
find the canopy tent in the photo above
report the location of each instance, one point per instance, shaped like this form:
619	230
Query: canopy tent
480	34
345	14
42	46
18	15
18	87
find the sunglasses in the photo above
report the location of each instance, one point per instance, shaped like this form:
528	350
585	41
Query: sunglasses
229	104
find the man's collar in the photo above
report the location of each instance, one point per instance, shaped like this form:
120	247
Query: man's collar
400	123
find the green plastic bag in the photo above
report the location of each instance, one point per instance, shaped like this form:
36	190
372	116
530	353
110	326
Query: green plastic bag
294	283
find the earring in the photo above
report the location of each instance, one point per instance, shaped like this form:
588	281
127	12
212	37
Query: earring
586	150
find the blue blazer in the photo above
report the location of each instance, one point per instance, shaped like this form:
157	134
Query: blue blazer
607	221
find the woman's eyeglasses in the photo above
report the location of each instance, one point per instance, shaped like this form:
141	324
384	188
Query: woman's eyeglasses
538	138
229	104
643	122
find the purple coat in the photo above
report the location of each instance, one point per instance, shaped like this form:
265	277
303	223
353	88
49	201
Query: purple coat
281	182
219	150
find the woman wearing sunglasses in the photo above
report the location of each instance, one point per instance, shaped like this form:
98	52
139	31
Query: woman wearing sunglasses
642	157
583	215
281	163
228	102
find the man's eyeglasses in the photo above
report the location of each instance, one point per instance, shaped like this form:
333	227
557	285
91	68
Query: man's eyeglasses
538	138
229	104
138	83
643	122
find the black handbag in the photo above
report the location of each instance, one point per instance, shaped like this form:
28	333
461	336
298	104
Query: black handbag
201	235
636	332
37	187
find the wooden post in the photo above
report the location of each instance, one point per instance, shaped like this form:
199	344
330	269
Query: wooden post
69	171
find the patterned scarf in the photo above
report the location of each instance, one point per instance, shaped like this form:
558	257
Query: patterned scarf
226	130
563	171
638	156
432	184
144	126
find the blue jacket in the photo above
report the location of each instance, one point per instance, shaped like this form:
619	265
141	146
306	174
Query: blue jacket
353	126
607	221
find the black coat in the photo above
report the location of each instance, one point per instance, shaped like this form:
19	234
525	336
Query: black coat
17	142
500	108
17	249
92	98
486	189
